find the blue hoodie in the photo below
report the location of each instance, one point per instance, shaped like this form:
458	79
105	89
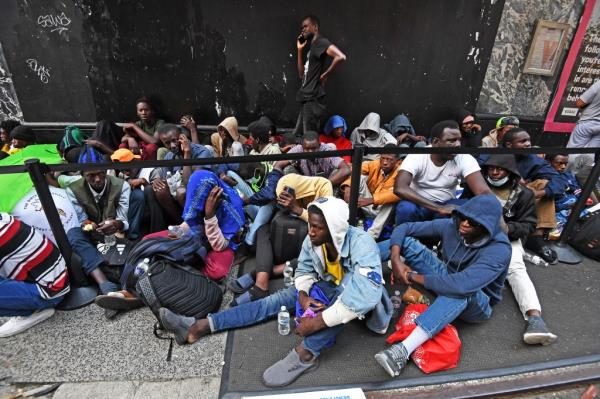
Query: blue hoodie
479	266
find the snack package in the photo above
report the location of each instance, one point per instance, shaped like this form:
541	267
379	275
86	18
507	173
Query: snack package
412	295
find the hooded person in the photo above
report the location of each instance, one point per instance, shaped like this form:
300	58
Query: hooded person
335	131
467	278
518	208
339	262
370	133
469	130
227	141
306	189
404	132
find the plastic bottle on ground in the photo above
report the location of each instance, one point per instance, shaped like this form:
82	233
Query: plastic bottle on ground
175	231
283	321
396	300
534	260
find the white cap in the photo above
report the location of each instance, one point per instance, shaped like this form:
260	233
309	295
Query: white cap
283	308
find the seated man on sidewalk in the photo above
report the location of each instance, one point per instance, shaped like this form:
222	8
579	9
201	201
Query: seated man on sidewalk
427	183
336	258
546	184
33	276
102	204
468	279
376	192
518	208
335	168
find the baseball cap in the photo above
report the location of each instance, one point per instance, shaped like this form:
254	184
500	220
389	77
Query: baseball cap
124	155
507	120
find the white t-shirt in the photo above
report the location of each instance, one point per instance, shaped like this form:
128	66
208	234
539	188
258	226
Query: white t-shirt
435	183
29	210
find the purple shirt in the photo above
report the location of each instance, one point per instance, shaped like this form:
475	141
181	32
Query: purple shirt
316	167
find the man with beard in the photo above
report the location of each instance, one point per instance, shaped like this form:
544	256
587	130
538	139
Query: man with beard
427	183
313	75
164	207
518	209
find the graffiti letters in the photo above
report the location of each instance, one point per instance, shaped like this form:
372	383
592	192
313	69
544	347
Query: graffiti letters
55	23
42	71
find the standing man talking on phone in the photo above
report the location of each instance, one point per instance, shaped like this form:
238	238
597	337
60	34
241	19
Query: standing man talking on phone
313	74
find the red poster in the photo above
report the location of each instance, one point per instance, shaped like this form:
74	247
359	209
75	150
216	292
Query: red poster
581	70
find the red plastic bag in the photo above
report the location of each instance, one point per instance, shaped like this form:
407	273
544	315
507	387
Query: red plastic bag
442	352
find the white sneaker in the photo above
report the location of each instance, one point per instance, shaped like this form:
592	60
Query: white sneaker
18	324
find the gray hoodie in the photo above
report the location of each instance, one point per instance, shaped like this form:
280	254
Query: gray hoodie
372	122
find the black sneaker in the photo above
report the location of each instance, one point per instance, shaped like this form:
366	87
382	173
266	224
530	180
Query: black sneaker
393	359
537	333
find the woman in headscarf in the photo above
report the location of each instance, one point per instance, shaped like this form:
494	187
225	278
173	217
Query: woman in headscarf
335	133
470	131
106	137
214	213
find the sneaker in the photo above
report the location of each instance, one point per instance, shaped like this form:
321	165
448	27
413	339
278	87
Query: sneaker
176	324
393	359
287	370
537	332
18	324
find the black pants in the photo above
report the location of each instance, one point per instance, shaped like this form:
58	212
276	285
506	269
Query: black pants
159	219
310	117
264	251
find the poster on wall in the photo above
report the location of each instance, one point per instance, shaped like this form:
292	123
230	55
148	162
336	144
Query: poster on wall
581	70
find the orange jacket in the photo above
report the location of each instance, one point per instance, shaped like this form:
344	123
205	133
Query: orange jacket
380	186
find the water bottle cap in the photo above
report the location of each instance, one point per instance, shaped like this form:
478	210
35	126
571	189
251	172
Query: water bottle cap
146	260
396	292
283	308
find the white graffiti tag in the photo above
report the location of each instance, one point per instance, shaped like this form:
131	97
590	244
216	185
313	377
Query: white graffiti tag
58	23
42	71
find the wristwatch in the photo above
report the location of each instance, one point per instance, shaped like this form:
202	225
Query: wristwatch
410	274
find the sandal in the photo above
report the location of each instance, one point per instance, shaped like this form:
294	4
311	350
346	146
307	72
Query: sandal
252	294
242	284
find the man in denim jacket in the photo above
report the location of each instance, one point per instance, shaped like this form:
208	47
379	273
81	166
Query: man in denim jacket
342	260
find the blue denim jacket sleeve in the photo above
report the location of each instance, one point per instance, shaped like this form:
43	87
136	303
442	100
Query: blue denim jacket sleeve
362	287
267	192
306	264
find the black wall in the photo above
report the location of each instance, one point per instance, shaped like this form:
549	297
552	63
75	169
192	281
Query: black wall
425	58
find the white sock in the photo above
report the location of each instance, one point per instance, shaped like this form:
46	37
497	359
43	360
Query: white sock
416	338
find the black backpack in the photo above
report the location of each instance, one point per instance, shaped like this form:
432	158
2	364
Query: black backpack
171	281
181	289
287	235
586	236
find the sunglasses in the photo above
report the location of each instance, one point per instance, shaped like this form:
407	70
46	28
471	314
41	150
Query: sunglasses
472	222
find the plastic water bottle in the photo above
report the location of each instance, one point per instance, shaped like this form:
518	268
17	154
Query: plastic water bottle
175	231
534	260
142	267
396	300
283	321
110	240
172	182
288	276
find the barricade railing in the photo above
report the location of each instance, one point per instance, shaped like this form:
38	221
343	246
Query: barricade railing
38	170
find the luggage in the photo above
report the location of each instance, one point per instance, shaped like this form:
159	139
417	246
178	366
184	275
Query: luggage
181	289
181	251
586	235
287	235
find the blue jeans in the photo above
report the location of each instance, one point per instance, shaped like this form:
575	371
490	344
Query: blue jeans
91	259
19	298
135	213
260	215
407	211
257	311
472	309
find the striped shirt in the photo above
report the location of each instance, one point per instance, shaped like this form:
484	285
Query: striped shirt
26	255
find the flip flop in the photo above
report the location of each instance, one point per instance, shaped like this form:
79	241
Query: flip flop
118	301
242	284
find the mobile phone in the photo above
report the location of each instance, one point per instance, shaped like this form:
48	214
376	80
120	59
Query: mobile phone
290	190
301	39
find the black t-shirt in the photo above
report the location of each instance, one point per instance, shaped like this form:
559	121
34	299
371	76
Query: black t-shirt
313	69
